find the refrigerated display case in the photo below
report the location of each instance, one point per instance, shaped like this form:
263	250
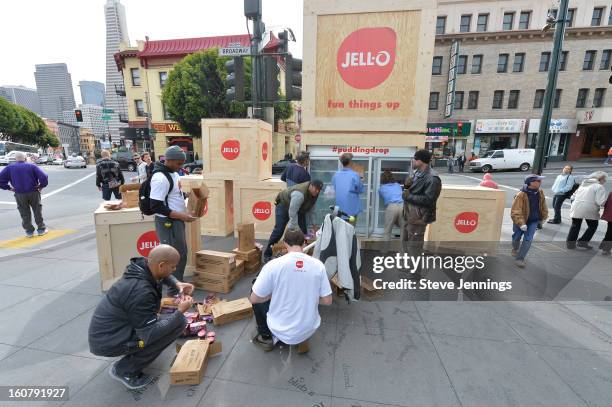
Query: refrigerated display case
324	164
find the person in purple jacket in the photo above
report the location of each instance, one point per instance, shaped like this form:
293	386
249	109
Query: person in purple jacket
26	180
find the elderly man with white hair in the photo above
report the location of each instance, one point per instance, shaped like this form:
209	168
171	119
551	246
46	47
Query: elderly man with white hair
586	204
26	180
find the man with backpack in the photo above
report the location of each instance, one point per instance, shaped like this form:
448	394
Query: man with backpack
161	196
108	176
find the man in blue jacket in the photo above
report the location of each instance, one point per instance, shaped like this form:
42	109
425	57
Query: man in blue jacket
26	180
125	323
348	186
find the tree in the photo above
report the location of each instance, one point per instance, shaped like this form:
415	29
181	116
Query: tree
21	125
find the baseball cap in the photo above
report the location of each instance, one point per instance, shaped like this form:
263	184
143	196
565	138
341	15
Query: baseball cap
533	177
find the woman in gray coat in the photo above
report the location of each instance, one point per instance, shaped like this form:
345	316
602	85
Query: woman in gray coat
586	204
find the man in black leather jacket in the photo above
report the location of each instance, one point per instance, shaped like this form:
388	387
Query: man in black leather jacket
421	192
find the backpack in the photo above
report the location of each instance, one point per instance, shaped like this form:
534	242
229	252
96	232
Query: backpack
144	193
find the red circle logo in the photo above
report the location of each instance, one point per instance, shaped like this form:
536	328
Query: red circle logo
147	242
230	149
299	264
366	57
466	222
262	210
264	150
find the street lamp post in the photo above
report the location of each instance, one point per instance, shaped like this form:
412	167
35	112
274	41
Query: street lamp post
553	72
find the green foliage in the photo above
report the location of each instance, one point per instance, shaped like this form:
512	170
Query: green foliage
21	125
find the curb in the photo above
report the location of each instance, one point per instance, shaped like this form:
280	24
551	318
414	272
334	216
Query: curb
68	242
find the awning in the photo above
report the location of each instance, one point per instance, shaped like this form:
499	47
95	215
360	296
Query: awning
556	125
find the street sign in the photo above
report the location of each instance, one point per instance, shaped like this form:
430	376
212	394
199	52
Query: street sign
108	111
298	138
234	51
106	117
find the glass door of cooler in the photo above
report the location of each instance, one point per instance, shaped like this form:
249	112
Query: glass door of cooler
400	168
366	198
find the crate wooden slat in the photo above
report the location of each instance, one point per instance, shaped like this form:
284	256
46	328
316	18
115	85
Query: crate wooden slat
237	149
218	219
254	203
226	312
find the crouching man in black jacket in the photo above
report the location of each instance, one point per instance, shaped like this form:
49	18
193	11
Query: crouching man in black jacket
126	323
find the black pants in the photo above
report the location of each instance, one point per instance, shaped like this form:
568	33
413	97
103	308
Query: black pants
106	192
557	205
606	244
572	236
135	359
261	310
281	215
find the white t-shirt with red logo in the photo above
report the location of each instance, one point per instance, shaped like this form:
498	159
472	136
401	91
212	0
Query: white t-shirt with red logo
296	281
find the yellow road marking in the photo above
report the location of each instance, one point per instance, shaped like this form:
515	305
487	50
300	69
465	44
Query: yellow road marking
23	242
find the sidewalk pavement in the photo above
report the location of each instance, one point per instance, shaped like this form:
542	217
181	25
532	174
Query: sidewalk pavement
593	163
400	352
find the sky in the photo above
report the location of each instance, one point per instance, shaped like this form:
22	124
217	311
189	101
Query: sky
73	31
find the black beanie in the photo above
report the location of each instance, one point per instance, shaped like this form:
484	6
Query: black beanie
423	155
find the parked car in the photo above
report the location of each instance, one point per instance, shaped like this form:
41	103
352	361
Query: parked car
44	160
8	158
57	161
507	159
190	167
125	160
279	166
75	162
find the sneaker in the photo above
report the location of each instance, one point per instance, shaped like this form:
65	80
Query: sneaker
584	245
266	344
520	264
42	232
570	245
132	382
554	222
29	234
514	252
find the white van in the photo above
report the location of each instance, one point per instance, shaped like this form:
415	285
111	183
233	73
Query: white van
507	159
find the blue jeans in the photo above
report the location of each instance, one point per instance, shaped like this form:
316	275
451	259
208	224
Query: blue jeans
281	215
261	318
106	192
527	238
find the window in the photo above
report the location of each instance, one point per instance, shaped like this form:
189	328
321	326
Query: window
538	101
524	20
167	115
135	72
502	63
140	112
498	99
434	97
482	23
544	61
436	67
441	25
459	100
598	97
163	77
610	17
508	21
513	99
553	12
519	62
477	64
563	63
473	99
570	17
466	21
597	15
557	100
462	64
605	59
589	60
583	94
498	154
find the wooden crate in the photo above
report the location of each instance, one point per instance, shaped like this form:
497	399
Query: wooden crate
468	220
237	149
218	219
216	262
230	311
215	282
123	234
254	203
397	88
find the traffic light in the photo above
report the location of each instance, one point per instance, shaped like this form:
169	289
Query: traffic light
459	129
234	80
293	78
79	115
283	42
271	82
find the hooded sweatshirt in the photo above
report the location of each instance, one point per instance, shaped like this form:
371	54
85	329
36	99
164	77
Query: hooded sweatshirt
534	203
128	312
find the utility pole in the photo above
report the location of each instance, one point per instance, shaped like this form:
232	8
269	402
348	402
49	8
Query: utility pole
252	11
553	73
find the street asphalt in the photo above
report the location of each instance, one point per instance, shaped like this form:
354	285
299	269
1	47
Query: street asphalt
547	342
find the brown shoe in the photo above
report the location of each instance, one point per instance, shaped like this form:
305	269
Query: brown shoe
303	347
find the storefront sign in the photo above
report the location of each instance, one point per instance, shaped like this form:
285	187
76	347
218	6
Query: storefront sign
556	126
167	127
500	126
448	129
600	115
361	151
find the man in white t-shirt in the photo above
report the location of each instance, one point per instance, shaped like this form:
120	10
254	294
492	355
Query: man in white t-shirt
168	204
287	294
